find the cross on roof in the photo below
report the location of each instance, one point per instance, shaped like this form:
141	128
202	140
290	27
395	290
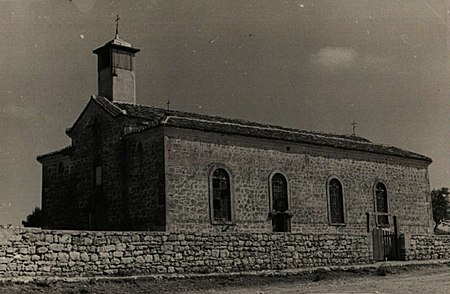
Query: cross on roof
117	26
168	104
354	123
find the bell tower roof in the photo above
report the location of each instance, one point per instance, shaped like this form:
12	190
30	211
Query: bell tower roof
115	67
117	43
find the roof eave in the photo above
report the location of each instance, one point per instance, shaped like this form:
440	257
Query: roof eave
417	157
67	151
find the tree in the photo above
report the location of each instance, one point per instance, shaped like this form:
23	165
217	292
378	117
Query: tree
35	219
439	204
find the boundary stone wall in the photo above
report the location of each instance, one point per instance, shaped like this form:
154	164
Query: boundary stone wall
35	252
425	247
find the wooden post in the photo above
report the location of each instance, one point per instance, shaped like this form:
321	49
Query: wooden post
396	239
395	226
368	222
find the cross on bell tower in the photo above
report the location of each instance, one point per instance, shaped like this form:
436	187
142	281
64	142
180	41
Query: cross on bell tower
354	123
117	27
115	67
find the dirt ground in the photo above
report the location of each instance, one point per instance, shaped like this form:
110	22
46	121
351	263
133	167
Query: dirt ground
429	279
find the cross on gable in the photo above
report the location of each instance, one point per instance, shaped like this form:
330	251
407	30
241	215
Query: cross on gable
354	123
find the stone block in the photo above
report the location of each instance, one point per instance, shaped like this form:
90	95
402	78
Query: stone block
41	250
56	247
87	241
118	253
74	255
84	256
65	238
121	247
63	257
127	260
48	238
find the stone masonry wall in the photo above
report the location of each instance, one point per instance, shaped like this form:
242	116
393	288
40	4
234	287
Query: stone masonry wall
57	192
424	247
35	252
145	198
70	199
191	155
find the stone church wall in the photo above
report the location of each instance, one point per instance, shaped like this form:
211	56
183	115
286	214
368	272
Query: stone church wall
34	252
145	181
57	191
70	200
191	155
97	211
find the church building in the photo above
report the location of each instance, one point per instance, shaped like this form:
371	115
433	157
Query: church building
137	167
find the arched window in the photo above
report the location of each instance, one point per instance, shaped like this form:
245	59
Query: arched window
96	133
381	203
336	202
280	203
221	196
279	193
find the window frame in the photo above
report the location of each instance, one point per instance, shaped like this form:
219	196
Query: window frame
344	205
287	215
211	196
375	203
272	174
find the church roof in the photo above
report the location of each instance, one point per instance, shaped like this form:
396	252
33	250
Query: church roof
64	151
153	117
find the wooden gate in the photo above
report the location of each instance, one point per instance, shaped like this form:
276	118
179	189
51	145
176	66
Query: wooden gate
386	244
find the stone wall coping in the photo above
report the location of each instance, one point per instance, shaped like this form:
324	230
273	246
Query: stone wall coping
159	233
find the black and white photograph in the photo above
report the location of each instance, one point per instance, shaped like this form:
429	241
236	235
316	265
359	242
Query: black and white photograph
225	146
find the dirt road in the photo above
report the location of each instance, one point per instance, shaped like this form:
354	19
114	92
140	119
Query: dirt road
404	279
417	281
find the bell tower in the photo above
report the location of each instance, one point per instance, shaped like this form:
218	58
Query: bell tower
115	69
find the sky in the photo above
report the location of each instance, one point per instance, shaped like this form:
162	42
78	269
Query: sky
312	65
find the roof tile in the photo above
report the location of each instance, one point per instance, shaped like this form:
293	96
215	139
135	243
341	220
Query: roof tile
159	116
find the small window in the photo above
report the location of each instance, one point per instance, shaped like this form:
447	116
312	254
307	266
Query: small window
96	134
381	203
98	176
61	168
336	202
221	196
